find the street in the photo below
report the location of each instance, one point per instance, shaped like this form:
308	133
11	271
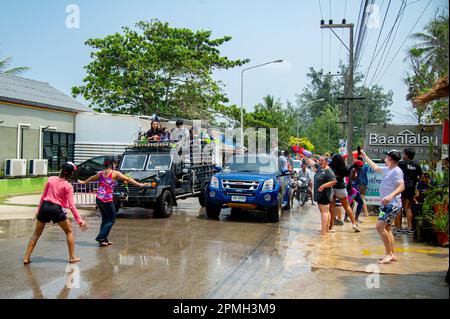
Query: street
190	256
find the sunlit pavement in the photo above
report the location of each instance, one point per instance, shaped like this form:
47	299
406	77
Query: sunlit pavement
190	256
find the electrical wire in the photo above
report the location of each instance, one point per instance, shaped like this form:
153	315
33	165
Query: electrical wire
376	74
376	45
388	38
404	41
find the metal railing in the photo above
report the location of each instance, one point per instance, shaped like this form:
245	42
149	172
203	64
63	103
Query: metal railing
84	195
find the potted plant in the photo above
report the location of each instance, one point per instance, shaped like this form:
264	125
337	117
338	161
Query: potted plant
440	227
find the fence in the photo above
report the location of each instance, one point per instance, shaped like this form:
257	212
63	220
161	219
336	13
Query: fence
84	195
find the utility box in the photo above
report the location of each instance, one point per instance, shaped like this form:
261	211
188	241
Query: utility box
15	167
38	167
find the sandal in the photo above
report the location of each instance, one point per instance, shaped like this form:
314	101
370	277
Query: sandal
74	260
26	262
103	244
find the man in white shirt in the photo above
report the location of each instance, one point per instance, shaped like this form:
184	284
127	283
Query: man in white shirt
391	188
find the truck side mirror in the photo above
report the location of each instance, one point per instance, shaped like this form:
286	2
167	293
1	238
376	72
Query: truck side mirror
285	172
217	168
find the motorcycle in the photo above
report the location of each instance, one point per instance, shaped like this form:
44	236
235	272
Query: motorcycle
302	192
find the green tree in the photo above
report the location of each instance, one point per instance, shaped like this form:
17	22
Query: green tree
4	64
156	69
318	119
427	62
432	44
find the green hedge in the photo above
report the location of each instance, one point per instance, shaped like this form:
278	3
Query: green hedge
22	185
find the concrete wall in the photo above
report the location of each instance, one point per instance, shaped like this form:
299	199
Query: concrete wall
12	115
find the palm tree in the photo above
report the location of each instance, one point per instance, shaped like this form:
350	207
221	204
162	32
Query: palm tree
4	62
432	44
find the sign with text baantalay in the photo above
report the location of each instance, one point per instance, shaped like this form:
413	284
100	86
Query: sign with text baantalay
373	187
426	140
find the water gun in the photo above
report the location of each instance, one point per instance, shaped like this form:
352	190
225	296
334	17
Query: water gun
300	150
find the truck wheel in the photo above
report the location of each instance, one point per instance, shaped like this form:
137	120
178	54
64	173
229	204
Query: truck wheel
213	211
164	205
202	196
274	212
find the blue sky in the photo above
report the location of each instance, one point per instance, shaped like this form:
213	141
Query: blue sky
35	35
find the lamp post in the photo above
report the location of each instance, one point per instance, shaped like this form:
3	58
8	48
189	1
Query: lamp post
242	97
298	122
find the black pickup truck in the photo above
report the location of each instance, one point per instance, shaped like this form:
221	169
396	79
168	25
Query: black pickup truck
170	175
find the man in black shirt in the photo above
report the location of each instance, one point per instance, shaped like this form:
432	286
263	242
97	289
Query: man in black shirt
412	173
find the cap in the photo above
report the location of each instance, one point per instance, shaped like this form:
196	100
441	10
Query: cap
394	154
109	160
69	167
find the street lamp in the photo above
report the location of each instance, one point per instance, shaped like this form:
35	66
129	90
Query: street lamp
298	123
242	98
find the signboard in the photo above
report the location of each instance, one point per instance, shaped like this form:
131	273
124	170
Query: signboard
373	187
426	140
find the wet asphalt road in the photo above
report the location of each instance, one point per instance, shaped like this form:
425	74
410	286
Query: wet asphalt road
190	256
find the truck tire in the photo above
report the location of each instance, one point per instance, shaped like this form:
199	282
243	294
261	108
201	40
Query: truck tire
202	196
274	212
213	211
164	205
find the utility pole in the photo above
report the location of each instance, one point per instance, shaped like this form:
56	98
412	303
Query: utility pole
348	91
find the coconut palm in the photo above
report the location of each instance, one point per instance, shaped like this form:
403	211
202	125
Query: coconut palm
432	44
4	63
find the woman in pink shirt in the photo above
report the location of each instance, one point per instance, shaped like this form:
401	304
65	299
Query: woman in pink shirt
107	180
58	194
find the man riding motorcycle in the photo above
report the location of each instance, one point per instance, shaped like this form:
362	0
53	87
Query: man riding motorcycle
307	173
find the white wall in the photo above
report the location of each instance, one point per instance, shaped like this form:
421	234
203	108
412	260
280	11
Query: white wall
100	128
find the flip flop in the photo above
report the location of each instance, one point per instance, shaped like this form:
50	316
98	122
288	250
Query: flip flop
103	244
74	260
26	262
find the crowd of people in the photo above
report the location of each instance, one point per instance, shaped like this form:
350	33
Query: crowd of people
338	186
158	133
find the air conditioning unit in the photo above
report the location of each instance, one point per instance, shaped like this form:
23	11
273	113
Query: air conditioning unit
15	167
38	167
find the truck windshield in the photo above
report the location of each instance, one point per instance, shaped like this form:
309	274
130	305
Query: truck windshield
133	162
159	162
262	164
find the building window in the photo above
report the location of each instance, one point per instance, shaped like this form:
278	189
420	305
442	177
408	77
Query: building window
58	148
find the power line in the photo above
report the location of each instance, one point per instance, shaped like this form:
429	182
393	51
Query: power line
404	41
390	47
320	7
376	45
402	10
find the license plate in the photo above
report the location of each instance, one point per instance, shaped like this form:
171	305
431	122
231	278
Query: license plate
241	199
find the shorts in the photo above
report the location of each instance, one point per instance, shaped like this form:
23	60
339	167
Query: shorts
388	213
409	193
51	212
362	189
340	193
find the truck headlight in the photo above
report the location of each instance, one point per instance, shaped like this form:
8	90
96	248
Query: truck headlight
214	182
268	185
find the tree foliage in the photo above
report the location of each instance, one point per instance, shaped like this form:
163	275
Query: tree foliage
4	67
427	62
156	69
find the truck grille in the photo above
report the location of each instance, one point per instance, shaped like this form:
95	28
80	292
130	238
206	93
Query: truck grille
131	190
240	188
